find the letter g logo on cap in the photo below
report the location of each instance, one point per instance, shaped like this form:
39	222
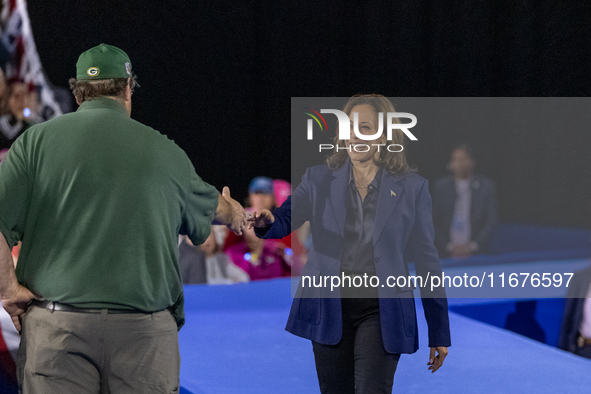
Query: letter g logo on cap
93	71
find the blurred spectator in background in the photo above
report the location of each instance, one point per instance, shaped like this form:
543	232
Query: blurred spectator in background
19	104
206	263
261	258
219	268
261	193
191	262
2	84
281	190
464	208
575	334
9	343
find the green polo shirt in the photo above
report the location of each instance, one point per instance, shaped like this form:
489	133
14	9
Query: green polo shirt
98	201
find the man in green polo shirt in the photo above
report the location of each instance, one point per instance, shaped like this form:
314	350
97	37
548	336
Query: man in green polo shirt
98	201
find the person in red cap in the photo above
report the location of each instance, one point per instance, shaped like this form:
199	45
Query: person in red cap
100	315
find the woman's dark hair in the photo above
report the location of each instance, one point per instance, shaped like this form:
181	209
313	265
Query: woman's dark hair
394	162
87	90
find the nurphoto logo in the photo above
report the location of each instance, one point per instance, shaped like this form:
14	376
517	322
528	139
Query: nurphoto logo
344	125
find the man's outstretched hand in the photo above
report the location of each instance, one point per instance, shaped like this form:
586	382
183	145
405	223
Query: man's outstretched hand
436	362
16	304
237	217
261	218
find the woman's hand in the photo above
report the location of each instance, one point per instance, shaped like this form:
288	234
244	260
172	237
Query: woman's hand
436	362
261	218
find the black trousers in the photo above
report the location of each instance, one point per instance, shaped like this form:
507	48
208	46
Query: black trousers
358	364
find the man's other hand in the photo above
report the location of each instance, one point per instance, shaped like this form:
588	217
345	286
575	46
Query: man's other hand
17	304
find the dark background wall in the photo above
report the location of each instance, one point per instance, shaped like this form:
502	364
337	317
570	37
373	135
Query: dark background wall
218	77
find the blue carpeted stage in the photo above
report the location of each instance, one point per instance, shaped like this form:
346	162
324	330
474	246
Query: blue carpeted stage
234	342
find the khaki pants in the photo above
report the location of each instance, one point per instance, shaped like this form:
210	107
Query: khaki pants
79	353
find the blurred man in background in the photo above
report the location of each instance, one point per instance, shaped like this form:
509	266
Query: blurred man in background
464	208
98	200
575	333
261	193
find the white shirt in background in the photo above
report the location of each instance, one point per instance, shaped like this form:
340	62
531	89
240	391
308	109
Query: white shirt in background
460	232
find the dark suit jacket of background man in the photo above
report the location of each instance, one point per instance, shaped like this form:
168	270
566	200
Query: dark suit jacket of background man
483	211
573	310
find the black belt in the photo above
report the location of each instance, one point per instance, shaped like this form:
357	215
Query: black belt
57	306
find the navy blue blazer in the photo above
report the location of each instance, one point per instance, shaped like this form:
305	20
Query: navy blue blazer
403	232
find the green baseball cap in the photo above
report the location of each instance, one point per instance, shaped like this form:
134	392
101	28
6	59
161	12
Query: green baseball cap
103	62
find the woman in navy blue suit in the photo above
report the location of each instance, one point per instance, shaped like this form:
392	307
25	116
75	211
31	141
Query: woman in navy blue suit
369	215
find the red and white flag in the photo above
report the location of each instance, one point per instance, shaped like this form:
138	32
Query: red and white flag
24	63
